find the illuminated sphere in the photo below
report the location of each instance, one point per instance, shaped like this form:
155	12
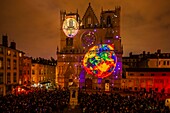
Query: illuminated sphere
70	27
100	60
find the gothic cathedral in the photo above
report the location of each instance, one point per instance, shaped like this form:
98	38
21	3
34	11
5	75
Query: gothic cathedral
92	31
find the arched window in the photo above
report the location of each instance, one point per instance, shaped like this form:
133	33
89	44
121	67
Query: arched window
89	20
108	21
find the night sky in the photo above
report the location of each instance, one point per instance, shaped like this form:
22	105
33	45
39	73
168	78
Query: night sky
34	24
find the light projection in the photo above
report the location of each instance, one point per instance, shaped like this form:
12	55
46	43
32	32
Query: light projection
100	60
88	38
70	27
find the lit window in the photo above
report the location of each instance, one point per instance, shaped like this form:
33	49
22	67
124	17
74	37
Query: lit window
20	54
1	63
8	52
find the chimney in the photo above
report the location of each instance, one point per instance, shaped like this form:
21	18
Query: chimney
130	54
143	53
148	53
5	40
159	51
13	45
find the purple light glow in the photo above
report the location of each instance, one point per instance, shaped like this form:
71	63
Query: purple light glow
82	74
99	80
117	36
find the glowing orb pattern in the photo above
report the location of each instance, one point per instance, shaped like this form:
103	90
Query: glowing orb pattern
88	38
100	60
70	27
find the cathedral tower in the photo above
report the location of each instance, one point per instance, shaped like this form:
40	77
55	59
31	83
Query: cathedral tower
91	32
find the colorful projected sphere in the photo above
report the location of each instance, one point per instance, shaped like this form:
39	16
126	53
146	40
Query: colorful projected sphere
70	27
88	38
100	60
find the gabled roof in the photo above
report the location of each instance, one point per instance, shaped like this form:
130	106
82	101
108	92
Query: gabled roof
89	9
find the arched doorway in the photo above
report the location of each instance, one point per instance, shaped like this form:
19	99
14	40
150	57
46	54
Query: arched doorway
88	83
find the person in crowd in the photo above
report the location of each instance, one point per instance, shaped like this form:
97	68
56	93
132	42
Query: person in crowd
57	101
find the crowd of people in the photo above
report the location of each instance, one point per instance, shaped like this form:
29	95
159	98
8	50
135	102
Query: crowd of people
39	101
57	101
116	103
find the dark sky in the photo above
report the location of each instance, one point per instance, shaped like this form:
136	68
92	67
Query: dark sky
34	24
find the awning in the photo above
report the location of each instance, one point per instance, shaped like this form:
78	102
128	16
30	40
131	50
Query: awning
45	82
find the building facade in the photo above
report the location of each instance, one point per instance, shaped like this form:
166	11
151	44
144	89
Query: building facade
26	71
156	79
92	31
9	66
147	71
43	70
147	60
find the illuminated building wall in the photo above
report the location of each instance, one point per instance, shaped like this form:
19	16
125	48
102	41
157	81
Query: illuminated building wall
91	32
27	62
147	70
147	60
138	79
43	70
10	63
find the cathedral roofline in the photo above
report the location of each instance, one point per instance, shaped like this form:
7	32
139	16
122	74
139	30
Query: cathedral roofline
92	12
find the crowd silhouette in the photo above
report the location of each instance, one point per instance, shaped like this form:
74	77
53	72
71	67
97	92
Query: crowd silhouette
39	101
57	101
116	103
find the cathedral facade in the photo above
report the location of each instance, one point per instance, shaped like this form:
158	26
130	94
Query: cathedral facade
92	31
